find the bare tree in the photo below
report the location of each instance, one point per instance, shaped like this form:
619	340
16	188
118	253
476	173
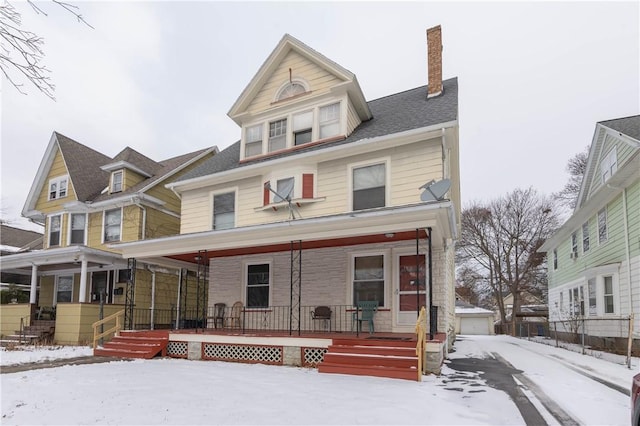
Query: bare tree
21	51
499	241
576	168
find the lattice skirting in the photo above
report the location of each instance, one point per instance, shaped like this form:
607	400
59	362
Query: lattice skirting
242	353
311	357
178	349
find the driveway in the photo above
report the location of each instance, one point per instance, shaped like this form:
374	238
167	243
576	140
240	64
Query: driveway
548	385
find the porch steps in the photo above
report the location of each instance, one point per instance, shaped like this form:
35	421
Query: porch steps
143	344
370	357
40	331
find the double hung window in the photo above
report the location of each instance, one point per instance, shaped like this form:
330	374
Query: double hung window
112	225
78	225
64	289
116	181
54	230
329	120
277	135
258	277
609	165
253	141
302	128
224	211
608	294
585	237
368	279
602	226
369	187
284	188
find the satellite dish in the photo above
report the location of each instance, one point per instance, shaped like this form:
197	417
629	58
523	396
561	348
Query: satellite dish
434	191
292	209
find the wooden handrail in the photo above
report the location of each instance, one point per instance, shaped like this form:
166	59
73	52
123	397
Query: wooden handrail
421	332
115	329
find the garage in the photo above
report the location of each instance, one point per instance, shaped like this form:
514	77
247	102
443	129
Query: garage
473	320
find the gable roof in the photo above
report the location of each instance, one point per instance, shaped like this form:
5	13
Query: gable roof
625	130
87	169
287	44
395	113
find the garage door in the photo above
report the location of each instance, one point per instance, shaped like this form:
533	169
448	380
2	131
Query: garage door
474	326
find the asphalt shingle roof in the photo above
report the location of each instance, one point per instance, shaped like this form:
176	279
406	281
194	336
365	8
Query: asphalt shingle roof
395	113
16	237
629	126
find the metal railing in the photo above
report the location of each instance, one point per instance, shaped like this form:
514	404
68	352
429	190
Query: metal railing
271	318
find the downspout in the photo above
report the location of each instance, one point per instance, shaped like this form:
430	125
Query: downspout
153	296
144	219
627	246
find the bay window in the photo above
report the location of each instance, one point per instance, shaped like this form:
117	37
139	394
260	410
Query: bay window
54	230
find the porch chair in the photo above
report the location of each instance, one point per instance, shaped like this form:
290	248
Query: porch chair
365	313
218	314
322	314
233	316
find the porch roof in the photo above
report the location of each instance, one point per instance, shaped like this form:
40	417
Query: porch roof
359	227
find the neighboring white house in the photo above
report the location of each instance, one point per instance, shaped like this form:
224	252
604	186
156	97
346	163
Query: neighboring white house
594	258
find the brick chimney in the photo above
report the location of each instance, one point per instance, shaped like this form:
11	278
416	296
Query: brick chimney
434	61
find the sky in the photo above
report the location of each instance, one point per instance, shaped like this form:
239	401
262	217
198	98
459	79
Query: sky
177	391
534	77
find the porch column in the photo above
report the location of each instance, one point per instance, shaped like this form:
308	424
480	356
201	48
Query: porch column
83	281
34	284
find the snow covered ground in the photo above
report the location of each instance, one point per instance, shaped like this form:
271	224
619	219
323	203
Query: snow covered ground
173	391
27	354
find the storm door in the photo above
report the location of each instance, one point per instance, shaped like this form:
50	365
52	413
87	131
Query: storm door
410	288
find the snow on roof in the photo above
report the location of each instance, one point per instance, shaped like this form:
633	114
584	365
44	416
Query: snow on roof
473	310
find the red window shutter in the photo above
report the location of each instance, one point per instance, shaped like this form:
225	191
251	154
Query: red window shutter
307	185
265	194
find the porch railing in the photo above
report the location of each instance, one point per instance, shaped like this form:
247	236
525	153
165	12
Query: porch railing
119	319
271	318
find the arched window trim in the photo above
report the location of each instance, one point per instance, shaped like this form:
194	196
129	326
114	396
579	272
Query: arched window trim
286	85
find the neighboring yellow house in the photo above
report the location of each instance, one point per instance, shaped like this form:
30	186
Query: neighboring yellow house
322	201
86	202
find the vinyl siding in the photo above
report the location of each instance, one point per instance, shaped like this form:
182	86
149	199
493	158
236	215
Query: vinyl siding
57	169
131	179
318	79
353	120
410	165
623	154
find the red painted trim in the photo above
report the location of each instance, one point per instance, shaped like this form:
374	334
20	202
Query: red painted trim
292	149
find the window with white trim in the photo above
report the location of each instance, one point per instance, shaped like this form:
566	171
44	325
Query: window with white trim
253	141
369	186
258	280
285	190
585	237
607	294
116	181
329	120
368	279
112	225
64	289
55	224
555	259
593	299
609	165
277	135
302	128
602	226
574	244
576	301
58	187
224	211
78	228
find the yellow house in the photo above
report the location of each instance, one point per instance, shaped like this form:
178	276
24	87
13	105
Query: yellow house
86	202
327	200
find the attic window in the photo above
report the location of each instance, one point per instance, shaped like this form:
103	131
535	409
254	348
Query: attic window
58	187
116	181
290	90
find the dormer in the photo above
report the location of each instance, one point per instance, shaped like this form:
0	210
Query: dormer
298	97
123	176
